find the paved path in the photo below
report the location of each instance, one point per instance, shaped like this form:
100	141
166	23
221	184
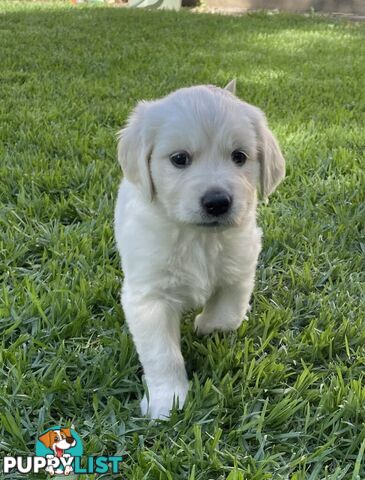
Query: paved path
242	11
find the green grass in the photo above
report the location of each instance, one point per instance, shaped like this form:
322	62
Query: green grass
282	398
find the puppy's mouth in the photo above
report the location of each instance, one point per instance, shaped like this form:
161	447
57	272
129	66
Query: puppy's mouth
59	452
209	224
221	224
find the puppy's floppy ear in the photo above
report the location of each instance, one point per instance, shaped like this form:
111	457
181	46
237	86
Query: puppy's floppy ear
272	163
135	148
231	86
47	438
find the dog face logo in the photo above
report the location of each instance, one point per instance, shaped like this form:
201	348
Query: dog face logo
58	440
59	445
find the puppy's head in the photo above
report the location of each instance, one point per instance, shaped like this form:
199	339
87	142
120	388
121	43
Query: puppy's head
59	439
200	153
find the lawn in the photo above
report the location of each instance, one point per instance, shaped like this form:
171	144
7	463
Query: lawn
282	398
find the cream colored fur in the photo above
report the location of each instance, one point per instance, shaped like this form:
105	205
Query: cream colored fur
174	257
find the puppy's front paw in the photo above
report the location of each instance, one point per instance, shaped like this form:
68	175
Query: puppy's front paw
50	470
68	470
204	325
161	401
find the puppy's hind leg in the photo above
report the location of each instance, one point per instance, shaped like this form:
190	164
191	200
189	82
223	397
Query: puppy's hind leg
155	327
226	308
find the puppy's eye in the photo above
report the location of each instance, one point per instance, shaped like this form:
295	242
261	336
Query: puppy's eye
180	159
239	157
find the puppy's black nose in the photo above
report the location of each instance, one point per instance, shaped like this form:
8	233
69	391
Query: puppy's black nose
216	202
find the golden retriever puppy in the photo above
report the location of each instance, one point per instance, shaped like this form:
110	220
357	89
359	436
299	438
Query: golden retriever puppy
185	223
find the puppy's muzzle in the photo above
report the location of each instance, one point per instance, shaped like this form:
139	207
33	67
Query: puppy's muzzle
216	202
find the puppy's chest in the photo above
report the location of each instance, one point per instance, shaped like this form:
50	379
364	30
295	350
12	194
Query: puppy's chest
195	267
